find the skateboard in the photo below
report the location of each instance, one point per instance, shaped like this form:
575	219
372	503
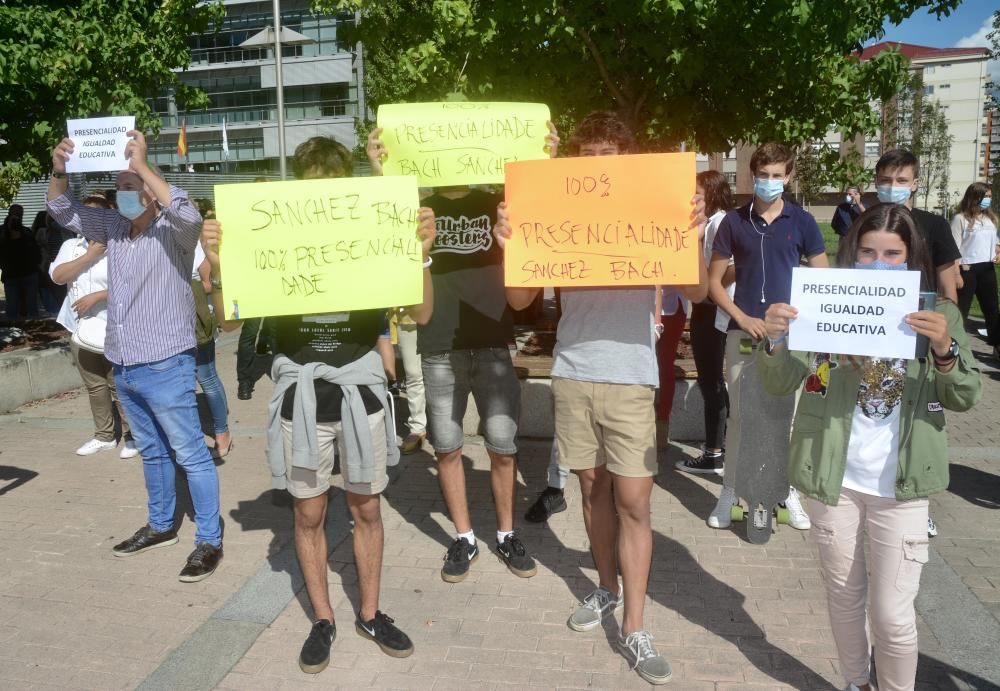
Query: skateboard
762	466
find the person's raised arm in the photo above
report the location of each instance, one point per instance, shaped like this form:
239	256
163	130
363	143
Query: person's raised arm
426	232
699	292
517	298
211	239
92	223
136	152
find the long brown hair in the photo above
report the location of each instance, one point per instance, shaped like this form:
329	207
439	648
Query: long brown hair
892	218
718	194
969	206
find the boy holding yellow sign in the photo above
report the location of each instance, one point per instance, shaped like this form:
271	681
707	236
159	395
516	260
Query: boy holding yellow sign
330	388
464	350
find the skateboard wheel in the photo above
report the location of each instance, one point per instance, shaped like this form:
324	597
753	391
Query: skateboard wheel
737	513
782	515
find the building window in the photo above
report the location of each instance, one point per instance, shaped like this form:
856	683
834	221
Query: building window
928	89
944	86
731	178
929	69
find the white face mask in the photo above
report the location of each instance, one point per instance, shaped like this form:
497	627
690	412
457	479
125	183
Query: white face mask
849	199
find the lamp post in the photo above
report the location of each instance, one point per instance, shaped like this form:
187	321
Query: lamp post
278	36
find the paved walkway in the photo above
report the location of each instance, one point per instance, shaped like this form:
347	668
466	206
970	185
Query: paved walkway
728	615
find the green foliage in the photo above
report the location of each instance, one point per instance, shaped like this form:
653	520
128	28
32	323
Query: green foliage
61	60
810	174
709	72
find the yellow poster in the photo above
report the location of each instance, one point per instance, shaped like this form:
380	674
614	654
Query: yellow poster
459	142
316	246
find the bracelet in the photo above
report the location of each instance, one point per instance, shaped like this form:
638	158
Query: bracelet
58	176
427	264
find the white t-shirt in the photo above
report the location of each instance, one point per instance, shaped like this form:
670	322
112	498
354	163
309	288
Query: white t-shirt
873	449
977	241
606	335
91	280
721	317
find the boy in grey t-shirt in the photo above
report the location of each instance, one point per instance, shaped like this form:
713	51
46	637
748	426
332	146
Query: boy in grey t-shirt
604	378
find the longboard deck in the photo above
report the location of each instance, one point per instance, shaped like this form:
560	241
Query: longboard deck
762	462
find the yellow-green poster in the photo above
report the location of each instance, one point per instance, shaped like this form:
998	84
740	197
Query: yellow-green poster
315	246
459	142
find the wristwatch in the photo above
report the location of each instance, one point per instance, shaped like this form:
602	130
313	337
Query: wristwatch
216	282
57	175
950	355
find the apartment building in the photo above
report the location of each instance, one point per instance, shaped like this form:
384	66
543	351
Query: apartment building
323	92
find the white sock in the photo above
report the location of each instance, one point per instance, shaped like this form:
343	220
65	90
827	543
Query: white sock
469	537
502	535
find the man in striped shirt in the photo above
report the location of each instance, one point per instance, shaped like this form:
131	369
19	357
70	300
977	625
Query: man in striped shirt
150	341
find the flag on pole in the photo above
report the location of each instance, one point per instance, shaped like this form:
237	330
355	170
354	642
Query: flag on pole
225	140
182	142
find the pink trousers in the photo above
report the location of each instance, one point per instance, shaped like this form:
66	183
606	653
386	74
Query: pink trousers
897	544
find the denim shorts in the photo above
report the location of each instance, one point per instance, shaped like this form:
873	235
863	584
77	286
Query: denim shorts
488	374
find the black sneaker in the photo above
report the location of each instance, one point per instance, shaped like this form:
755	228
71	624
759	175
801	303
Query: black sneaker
201	563
705	464
390	639
315	655
456	562
512	553
145	538
549	502
245	391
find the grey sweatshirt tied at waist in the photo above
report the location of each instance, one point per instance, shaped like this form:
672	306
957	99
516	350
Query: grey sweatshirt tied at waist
360	454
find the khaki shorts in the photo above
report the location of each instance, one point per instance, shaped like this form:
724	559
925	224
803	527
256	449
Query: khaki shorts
304	483
605	424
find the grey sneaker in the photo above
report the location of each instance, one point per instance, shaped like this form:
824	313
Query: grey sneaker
641	654
594	608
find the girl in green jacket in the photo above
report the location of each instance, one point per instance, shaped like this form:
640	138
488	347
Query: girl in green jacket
868	446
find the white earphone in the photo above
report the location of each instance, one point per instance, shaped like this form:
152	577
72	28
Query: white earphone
763	266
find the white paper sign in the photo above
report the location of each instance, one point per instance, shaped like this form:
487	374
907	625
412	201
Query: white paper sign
98	144
854	312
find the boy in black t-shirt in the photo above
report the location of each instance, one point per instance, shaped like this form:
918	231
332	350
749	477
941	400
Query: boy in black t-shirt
349	406
464	349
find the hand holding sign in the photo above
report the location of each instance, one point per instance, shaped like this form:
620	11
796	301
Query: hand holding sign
934	326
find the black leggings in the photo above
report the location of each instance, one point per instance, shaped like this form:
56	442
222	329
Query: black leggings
709	346
981	281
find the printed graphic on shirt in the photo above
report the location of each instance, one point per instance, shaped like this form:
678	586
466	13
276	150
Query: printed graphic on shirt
881	387
463	235
819	381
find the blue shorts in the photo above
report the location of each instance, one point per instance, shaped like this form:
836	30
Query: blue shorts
488	374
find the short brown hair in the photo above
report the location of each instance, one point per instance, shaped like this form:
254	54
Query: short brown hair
322	157
98	200
772	152
602	126
894	159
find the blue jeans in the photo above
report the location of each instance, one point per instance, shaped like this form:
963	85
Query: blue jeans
162	410
211	385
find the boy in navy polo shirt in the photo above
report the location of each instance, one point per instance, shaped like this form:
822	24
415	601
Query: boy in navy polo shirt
766	239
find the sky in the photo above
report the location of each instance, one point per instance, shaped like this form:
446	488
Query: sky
966	27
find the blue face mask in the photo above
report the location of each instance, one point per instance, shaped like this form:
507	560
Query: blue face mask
985	203
881	265
129	204
889	194
768	190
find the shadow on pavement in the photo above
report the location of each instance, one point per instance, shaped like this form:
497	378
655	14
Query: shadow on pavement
12	477
932	673
975	486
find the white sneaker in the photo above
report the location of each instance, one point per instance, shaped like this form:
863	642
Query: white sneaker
931	527
797	516
94	446
129	450
721	515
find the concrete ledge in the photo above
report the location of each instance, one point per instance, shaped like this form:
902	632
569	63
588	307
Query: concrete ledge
30	375
687	421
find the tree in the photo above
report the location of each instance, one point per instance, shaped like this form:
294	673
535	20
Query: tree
61	60
932	147
993	103
810	175
707	72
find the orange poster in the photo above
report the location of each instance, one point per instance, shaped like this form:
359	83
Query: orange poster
602	221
